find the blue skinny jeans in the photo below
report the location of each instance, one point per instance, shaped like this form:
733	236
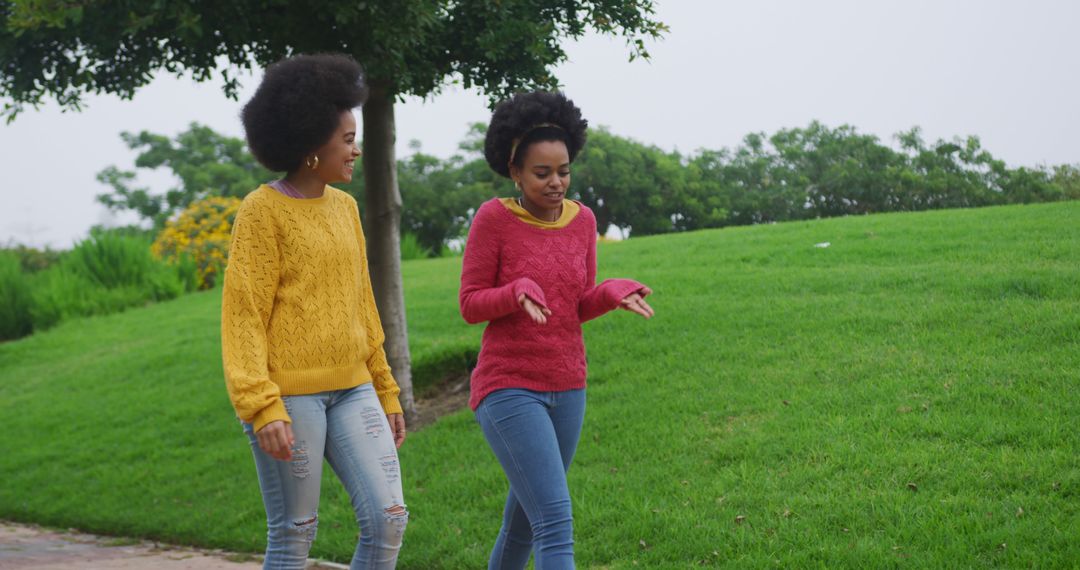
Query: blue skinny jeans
534	436
348	428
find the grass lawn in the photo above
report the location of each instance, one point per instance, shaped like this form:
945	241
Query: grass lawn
905	397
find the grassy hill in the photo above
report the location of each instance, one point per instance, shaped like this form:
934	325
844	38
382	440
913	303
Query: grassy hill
905	397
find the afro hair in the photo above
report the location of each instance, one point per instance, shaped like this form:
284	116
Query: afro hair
524	119
298	106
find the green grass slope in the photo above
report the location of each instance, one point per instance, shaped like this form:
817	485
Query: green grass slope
903	398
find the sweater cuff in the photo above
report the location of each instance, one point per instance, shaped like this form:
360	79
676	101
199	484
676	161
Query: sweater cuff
390	403
618	289
531	290
272	413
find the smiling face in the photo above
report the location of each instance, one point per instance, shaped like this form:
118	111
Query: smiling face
544	178
338	155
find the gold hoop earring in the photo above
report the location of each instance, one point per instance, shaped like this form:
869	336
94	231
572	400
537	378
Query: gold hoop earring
312	164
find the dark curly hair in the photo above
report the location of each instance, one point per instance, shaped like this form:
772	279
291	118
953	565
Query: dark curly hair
298	106
526	118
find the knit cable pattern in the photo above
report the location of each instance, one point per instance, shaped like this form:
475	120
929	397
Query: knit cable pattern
556	268
298	312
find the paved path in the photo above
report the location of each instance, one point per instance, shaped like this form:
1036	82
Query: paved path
29	547
24	547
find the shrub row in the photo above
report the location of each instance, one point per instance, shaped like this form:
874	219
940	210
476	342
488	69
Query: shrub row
105	273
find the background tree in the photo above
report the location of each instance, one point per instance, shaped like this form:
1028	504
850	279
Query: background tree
204	162
707	205
607	175
627	184
62	49
439	196
755	197
944	175
835	172
1067	177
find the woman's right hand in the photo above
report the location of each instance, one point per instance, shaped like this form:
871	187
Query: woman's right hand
537	313
276	439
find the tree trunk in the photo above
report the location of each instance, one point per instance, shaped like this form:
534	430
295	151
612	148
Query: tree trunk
382	218
603	221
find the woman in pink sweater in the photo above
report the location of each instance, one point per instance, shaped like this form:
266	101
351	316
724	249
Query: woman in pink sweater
530	272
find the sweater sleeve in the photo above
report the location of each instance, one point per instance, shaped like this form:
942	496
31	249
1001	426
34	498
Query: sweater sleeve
480	299
600	299
383	380
251	279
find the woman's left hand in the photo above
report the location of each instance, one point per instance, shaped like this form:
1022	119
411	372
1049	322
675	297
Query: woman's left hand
635	303
397	425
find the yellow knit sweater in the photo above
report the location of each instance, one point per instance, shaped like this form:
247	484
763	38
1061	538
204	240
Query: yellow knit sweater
298	315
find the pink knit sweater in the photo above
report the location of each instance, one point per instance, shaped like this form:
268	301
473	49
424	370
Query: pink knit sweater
556	268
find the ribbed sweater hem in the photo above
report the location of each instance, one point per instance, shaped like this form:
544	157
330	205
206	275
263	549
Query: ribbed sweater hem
480	390
315	380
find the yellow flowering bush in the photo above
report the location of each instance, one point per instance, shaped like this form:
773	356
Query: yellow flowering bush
201	234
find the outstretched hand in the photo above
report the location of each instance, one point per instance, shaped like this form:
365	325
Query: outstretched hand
536	312
635	303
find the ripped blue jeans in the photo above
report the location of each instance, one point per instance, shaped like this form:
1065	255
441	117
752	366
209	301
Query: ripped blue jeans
349	428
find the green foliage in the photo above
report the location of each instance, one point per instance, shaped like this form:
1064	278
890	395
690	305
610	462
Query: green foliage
206	164
188	272
108	272
64	293
825	172
15	300
32	259
629	184
902	398
798	174
1067	177
411	248
105	273
111	260
795	174
437	194
440	196
61	51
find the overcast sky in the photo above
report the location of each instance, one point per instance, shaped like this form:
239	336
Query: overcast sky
1006	71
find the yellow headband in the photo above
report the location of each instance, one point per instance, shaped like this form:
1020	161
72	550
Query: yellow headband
517	141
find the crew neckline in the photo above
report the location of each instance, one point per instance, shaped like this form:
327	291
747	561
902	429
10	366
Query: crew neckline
569	212
298	201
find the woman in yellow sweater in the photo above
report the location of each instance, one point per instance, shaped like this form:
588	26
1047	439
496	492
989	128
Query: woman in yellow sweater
300	333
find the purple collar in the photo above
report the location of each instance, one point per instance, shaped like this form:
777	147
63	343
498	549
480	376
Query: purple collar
287	189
